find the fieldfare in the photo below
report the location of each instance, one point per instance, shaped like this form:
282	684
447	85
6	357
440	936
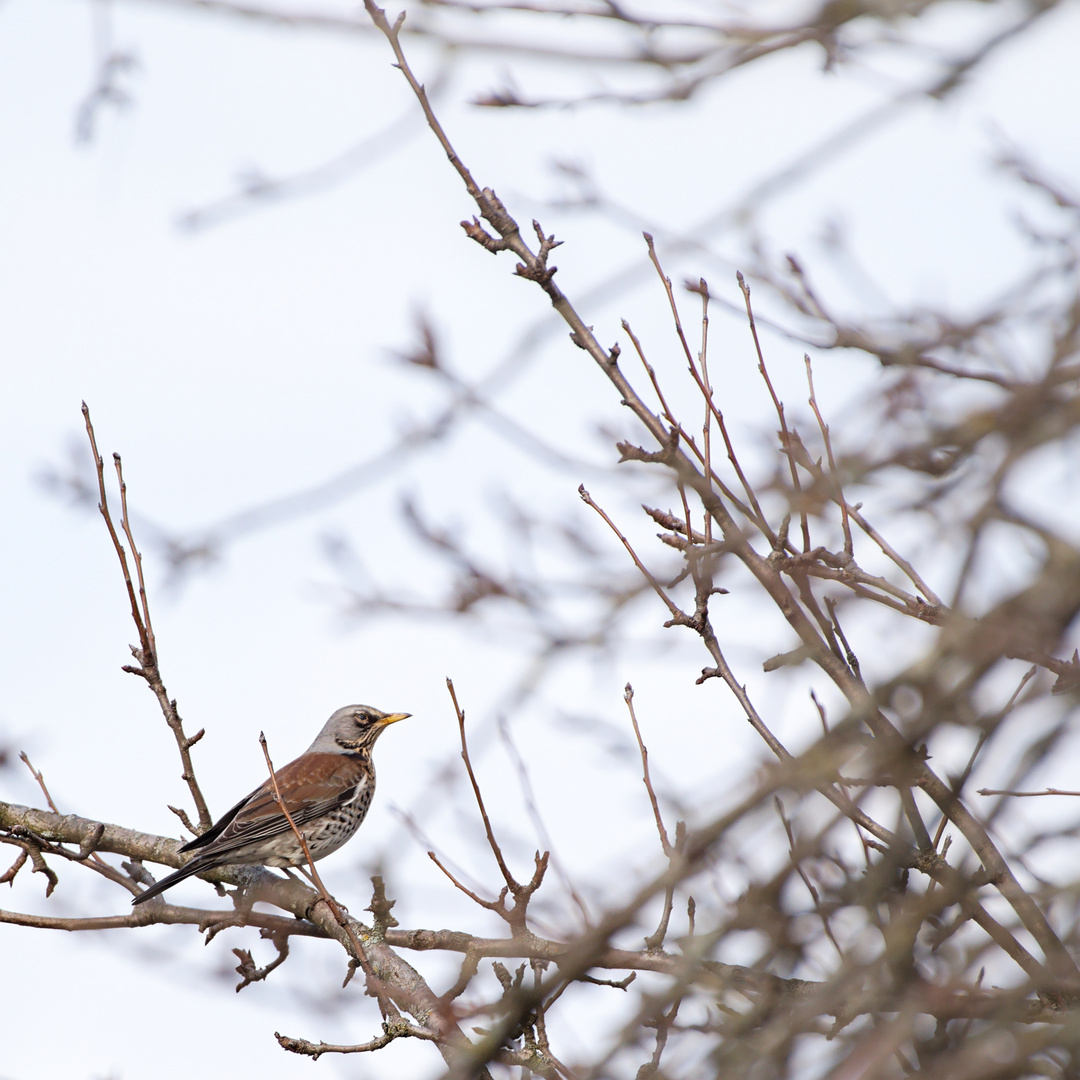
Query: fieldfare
327	791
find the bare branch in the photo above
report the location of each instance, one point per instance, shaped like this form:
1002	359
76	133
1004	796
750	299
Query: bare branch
146	653
392	1029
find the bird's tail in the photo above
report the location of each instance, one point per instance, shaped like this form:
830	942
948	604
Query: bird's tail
196	866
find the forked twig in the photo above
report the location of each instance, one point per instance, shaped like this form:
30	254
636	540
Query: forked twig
522	894
701	378
146	653
125	524
491	905
754	515
890	552
529	795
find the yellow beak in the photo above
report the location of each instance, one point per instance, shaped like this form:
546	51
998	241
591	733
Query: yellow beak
393	718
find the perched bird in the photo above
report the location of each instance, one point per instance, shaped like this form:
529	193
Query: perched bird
327	791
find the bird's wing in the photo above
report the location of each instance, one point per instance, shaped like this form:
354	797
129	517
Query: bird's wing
220	825
310	786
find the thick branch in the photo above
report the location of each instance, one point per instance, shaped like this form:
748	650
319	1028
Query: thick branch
403	983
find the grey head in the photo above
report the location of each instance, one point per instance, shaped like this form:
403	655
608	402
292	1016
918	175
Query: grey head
355	727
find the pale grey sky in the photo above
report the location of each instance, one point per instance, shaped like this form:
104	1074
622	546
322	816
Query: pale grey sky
250	359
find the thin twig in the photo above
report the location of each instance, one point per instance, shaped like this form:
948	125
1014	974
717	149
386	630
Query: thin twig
810	887
146	654
496	850
374	983
824	428
522	894
533	809
912	574
491	905
676	612
779	406
703	361
628	697
687	439
1026	794
757	516
86	848
40	779
103	507
125	524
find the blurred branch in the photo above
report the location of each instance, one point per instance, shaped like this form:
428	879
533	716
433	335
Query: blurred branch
673	56
256	189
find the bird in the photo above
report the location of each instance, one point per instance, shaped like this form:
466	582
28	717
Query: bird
327	791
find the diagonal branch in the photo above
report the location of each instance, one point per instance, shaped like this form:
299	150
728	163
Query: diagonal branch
374	988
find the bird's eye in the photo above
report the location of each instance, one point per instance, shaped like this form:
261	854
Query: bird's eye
361	717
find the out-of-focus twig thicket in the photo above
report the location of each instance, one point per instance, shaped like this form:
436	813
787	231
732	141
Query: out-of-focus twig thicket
886	927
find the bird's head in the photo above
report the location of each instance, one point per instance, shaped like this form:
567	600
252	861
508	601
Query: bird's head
355	727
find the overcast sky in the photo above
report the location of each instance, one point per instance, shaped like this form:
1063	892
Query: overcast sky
253	358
